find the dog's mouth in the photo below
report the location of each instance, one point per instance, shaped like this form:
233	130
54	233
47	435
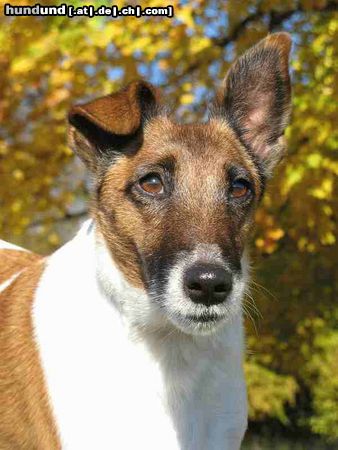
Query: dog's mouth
201	323
207	317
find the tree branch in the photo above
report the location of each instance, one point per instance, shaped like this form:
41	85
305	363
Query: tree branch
275	20
67	216
223	41
237	30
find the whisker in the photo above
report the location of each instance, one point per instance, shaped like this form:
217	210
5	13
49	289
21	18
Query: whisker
249	300
259	287
247	313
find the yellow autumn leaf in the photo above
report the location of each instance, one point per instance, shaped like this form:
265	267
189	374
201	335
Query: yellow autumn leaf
186	99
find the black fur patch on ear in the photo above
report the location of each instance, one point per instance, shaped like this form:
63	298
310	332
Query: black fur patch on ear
112	124
105	141
148	103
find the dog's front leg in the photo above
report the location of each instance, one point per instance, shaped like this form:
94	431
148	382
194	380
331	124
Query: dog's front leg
227	422
228	431
228	434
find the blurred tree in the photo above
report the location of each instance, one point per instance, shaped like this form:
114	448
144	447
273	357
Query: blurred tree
49	62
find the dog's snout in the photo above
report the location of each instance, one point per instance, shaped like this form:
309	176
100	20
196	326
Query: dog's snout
207	284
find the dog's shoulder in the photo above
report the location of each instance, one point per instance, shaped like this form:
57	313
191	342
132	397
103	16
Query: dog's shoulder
20	273
21	378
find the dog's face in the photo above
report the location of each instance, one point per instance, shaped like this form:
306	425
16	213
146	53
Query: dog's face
175	202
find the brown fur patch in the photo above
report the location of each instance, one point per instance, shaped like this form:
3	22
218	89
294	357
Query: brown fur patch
26	421
13	261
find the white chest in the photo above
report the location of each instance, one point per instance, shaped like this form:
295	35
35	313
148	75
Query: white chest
108	392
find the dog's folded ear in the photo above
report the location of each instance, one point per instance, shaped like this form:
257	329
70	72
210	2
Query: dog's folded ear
112	124
255	99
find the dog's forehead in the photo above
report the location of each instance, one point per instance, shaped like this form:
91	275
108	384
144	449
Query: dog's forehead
195	151
213	142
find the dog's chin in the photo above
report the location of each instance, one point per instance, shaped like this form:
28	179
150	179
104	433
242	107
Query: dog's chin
198	325
176	310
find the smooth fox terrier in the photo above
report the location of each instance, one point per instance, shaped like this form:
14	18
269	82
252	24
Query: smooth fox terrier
130	335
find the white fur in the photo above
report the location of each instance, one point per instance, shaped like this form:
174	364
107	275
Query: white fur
120	375
7	246
8	282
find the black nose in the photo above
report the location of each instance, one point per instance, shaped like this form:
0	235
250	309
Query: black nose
208	284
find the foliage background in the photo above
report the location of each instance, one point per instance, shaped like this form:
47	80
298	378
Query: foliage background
46	63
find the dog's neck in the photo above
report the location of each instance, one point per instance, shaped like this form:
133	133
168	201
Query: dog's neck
182	357
92	327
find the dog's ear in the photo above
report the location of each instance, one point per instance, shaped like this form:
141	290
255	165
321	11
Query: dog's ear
112	124
255	99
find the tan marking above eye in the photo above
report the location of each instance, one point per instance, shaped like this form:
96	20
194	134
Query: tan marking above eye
152	184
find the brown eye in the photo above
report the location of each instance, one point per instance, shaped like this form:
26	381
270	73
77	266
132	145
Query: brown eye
152	184
240	188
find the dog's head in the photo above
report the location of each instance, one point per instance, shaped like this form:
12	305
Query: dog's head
175	202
